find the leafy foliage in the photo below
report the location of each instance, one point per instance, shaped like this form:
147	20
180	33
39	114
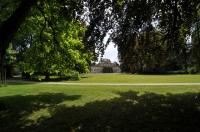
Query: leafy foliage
151	35
49	44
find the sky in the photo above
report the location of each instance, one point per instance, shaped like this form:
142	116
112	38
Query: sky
111	53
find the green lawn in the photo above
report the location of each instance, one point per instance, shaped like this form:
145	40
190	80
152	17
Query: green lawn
132	78
52	108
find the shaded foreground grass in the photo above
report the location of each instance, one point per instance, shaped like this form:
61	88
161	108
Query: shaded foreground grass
52	108
134	78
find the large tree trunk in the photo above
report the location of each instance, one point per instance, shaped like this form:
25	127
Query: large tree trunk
9	28
11	25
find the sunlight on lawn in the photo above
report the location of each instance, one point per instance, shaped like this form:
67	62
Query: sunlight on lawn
36	103
134	78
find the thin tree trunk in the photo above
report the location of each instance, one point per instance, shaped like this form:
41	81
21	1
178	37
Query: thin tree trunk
47	76
2	67
198	36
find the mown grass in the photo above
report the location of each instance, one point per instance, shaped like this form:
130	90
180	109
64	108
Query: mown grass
134	78
51	108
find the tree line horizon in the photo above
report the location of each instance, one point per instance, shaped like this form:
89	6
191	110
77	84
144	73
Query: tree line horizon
63	36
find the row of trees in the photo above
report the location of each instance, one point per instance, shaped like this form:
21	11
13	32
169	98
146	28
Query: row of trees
61	36
157	36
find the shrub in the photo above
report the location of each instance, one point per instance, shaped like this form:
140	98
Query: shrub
107	70
75	76
192	70
36	78
70	75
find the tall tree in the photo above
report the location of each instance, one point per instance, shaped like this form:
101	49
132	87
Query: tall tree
196	41
172	18
12	21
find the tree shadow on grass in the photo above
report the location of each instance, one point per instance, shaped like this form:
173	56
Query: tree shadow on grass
130	112
14	109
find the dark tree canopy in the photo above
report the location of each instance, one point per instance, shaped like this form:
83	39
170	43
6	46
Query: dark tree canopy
152	35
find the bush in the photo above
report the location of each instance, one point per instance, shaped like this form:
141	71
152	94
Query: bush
36	78
70	75
107	70
178	72
192	70
75	76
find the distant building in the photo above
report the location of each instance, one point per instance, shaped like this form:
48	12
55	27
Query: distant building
106	66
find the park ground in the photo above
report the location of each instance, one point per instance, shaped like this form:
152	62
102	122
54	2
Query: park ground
39	107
